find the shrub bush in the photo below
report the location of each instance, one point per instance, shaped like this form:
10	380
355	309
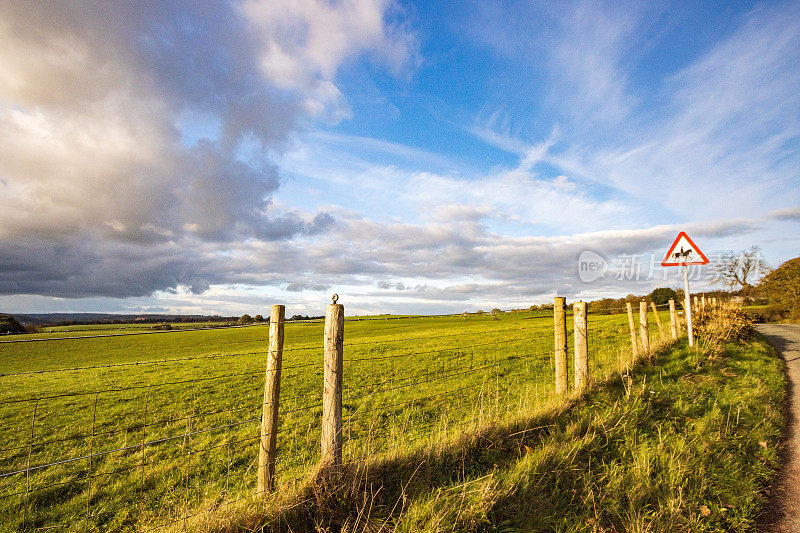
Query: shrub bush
717	326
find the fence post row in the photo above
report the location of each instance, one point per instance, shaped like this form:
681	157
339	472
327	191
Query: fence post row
332	388
334	358
658	320
632	327
644	332
673	320
560	329
581	346
269	409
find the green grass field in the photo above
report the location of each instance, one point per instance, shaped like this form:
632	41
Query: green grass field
685	443
83	330
139	431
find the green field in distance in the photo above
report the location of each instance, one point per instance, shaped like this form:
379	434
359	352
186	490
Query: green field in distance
135	431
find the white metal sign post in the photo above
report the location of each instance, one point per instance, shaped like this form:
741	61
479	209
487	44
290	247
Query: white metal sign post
687	304
687	254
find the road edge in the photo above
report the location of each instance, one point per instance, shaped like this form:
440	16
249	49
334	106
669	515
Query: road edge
774	516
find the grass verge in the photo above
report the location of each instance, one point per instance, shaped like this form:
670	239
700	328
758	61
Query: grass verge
685	444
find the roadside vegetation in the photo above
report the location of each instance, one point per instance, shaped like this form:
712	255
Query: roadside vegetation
782	288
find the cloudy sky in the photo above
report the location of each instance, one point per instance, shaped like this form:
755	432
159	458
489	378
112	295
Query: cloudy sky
219	157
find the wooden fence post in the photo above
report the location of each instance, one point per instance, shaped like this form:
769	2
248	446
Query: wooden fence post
658	321
632	327
560	335
332	388
581	346
703	301
696	305
269	410
643	331
673	320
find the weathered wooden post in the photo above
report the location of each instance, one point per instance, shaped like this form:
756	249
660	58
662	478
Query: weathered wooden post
643	331
269	410
560	336
332	388
632	327
581	346
673	320
703	302
658	321
695	302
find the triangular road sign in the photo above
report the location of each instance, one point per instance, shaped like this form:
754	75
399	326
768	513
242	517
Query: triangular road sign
684	252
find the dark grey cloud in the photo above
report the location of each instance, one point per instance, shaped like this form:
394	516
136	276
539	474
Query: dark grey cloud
488	267
78	269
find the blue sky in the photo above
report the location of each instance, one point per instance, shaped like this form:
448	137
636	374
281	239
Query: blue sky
410	156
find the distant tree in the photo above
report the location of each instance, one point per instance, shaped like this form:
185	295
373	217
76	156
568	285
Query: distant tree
245	319
259	318
605	305
663	295
740	271
9	324
496	311
782	287
533	308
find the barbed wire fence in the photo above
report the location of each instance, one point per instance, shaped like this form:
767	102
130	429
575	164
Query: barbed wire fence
152	443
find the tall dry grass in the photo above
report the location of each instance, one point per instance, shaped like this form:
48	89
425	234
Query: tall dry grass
717	325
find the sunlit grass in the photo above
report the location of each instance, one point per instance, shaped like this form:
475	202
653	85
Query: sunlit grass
194	400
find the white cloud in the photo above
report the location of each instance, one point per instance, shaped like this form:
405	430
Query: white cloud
721	137
303	43
519	196
586	62
576	54
327	103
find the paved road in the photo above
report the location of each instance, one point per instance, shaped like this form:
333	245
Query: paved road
785	515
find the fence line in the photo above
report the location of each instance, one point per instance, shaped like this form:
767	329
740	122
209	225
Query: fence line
168	443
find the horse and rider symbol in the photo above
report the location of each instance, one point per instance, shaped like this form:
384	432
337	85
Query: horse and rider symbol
683	254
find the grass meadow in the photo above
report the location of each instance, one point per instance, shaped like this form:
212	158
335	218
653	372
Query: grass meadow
140	432
689	442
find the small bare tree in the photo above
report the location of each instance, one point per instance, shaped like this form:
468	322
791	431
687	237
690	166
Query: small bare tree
742	270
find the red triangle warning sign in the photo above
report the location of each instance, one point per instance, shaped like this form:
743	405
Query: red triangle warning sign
684	252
